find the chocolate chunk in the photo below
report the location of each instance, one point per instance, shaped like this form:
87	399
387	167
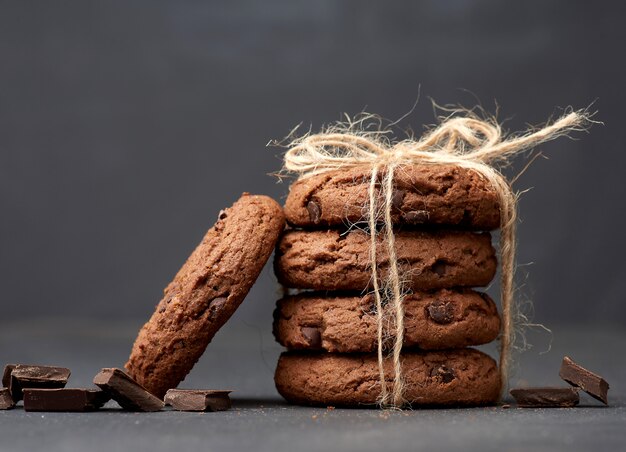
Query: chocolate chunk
222	215
6	376
416	216
443	373
68	399
397	198
545	397
441	312
198	399
312	335
576	375
315	212
215	305
19	376
126	391
439	267
6	401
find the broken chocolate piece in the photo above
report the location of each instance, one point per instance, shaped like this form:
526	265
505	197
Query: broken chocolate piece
19	376
312	335
416	216
576	375
6	376
443	373
441	312
67	399
314	211
198	399
126	391
6	401
545	397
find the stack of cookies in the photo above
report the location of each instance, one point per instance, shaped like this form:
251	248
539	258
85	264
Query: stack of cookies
442	216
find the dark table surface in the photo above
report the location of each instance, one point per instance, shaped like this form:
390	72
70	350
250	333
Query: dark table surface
242	357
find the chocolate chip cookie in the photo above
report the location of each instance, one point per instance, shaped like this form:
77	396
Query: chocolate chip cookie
205	292
423	194
454	377
345	324
331	260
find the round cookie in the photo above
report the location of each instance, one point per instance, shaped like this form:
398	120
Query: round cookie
330	260
346	324
454	377
205	292
423	194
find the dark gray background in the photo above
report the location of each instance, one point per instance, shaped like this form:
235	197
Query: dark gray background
126	126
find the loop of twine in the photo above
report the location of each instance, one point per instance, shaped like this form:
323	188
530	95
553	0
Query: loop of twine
466	141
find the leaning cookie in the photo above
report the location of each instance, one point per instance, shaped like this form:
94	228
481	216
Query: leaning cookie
205	292
330	260
423	194
345	324
454	377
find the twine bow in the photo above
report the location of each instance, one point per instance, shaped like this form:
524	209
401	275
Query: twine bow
466	141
